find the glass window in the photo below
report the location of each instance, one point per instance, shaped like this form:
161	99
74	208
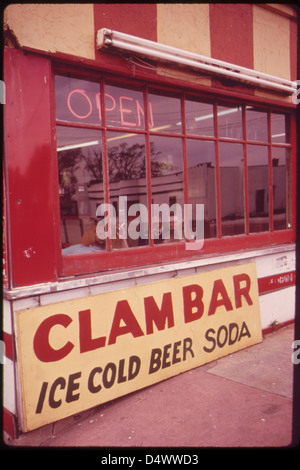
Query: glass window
167	188
128	188
77	100
232	188
230	122
124	107
202	182
104	156
281	188
258	183
199	118
166	113
80	174
257	124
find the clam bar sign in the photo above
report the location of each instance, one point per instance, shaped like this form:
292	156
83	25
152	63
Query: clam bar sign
77	354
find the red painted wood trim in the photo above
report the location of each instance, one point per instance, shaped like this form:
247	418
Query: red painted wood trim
9	423
9	345
276	282
271	329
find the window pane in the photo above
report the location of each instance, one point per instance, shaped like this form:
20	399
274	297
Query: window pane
281	188
166	113
232	188
77	100
167	186
230	122
257	125
258	183
279	128
201	182
199	118
80	188
124	107
127	187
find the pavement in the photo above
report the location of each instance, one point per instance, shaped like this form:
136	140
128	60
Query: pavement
241	400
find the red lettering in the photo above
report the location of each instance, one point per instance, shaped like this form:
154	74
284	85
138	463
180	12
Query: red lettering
189	304
219	288
83	93
124	313
42	348
159	316
124	110
242	291
87	343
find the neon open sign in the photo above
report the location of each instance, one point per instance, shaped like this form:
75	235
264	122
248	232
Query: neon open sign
124	110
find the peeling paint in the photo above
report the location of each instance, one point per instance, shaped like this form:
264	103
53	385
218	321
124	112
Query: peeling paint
29	252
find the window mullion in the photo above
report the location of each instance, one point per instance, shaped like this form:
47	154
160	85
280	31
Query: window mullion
271	226
218	178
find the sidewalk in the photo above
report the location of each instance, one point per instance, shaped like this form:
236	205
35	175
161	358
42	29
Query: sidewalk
242	400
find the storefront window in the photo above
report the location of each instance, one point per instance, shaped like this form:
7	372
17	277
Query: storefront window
77	100
116	165
167	186
124	107
281	188
128	188
80	184
166	112
280	127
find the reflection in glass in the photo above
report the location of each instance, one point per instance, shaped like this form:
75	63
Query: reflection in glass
199	118
80	188
201	182
258	183
77	100
166	112
257	125
127	179
279	128
281	188
124	107
167	185
230	122
232	188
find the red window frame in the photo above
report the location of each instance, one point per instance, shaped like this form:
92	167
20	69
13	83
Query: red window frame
156	254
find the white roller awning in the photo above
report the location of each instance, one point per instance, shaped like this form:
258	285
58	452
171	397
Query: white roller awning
109	40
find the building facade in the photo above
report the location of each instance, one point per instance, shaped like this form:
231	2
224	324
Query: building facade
112	109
